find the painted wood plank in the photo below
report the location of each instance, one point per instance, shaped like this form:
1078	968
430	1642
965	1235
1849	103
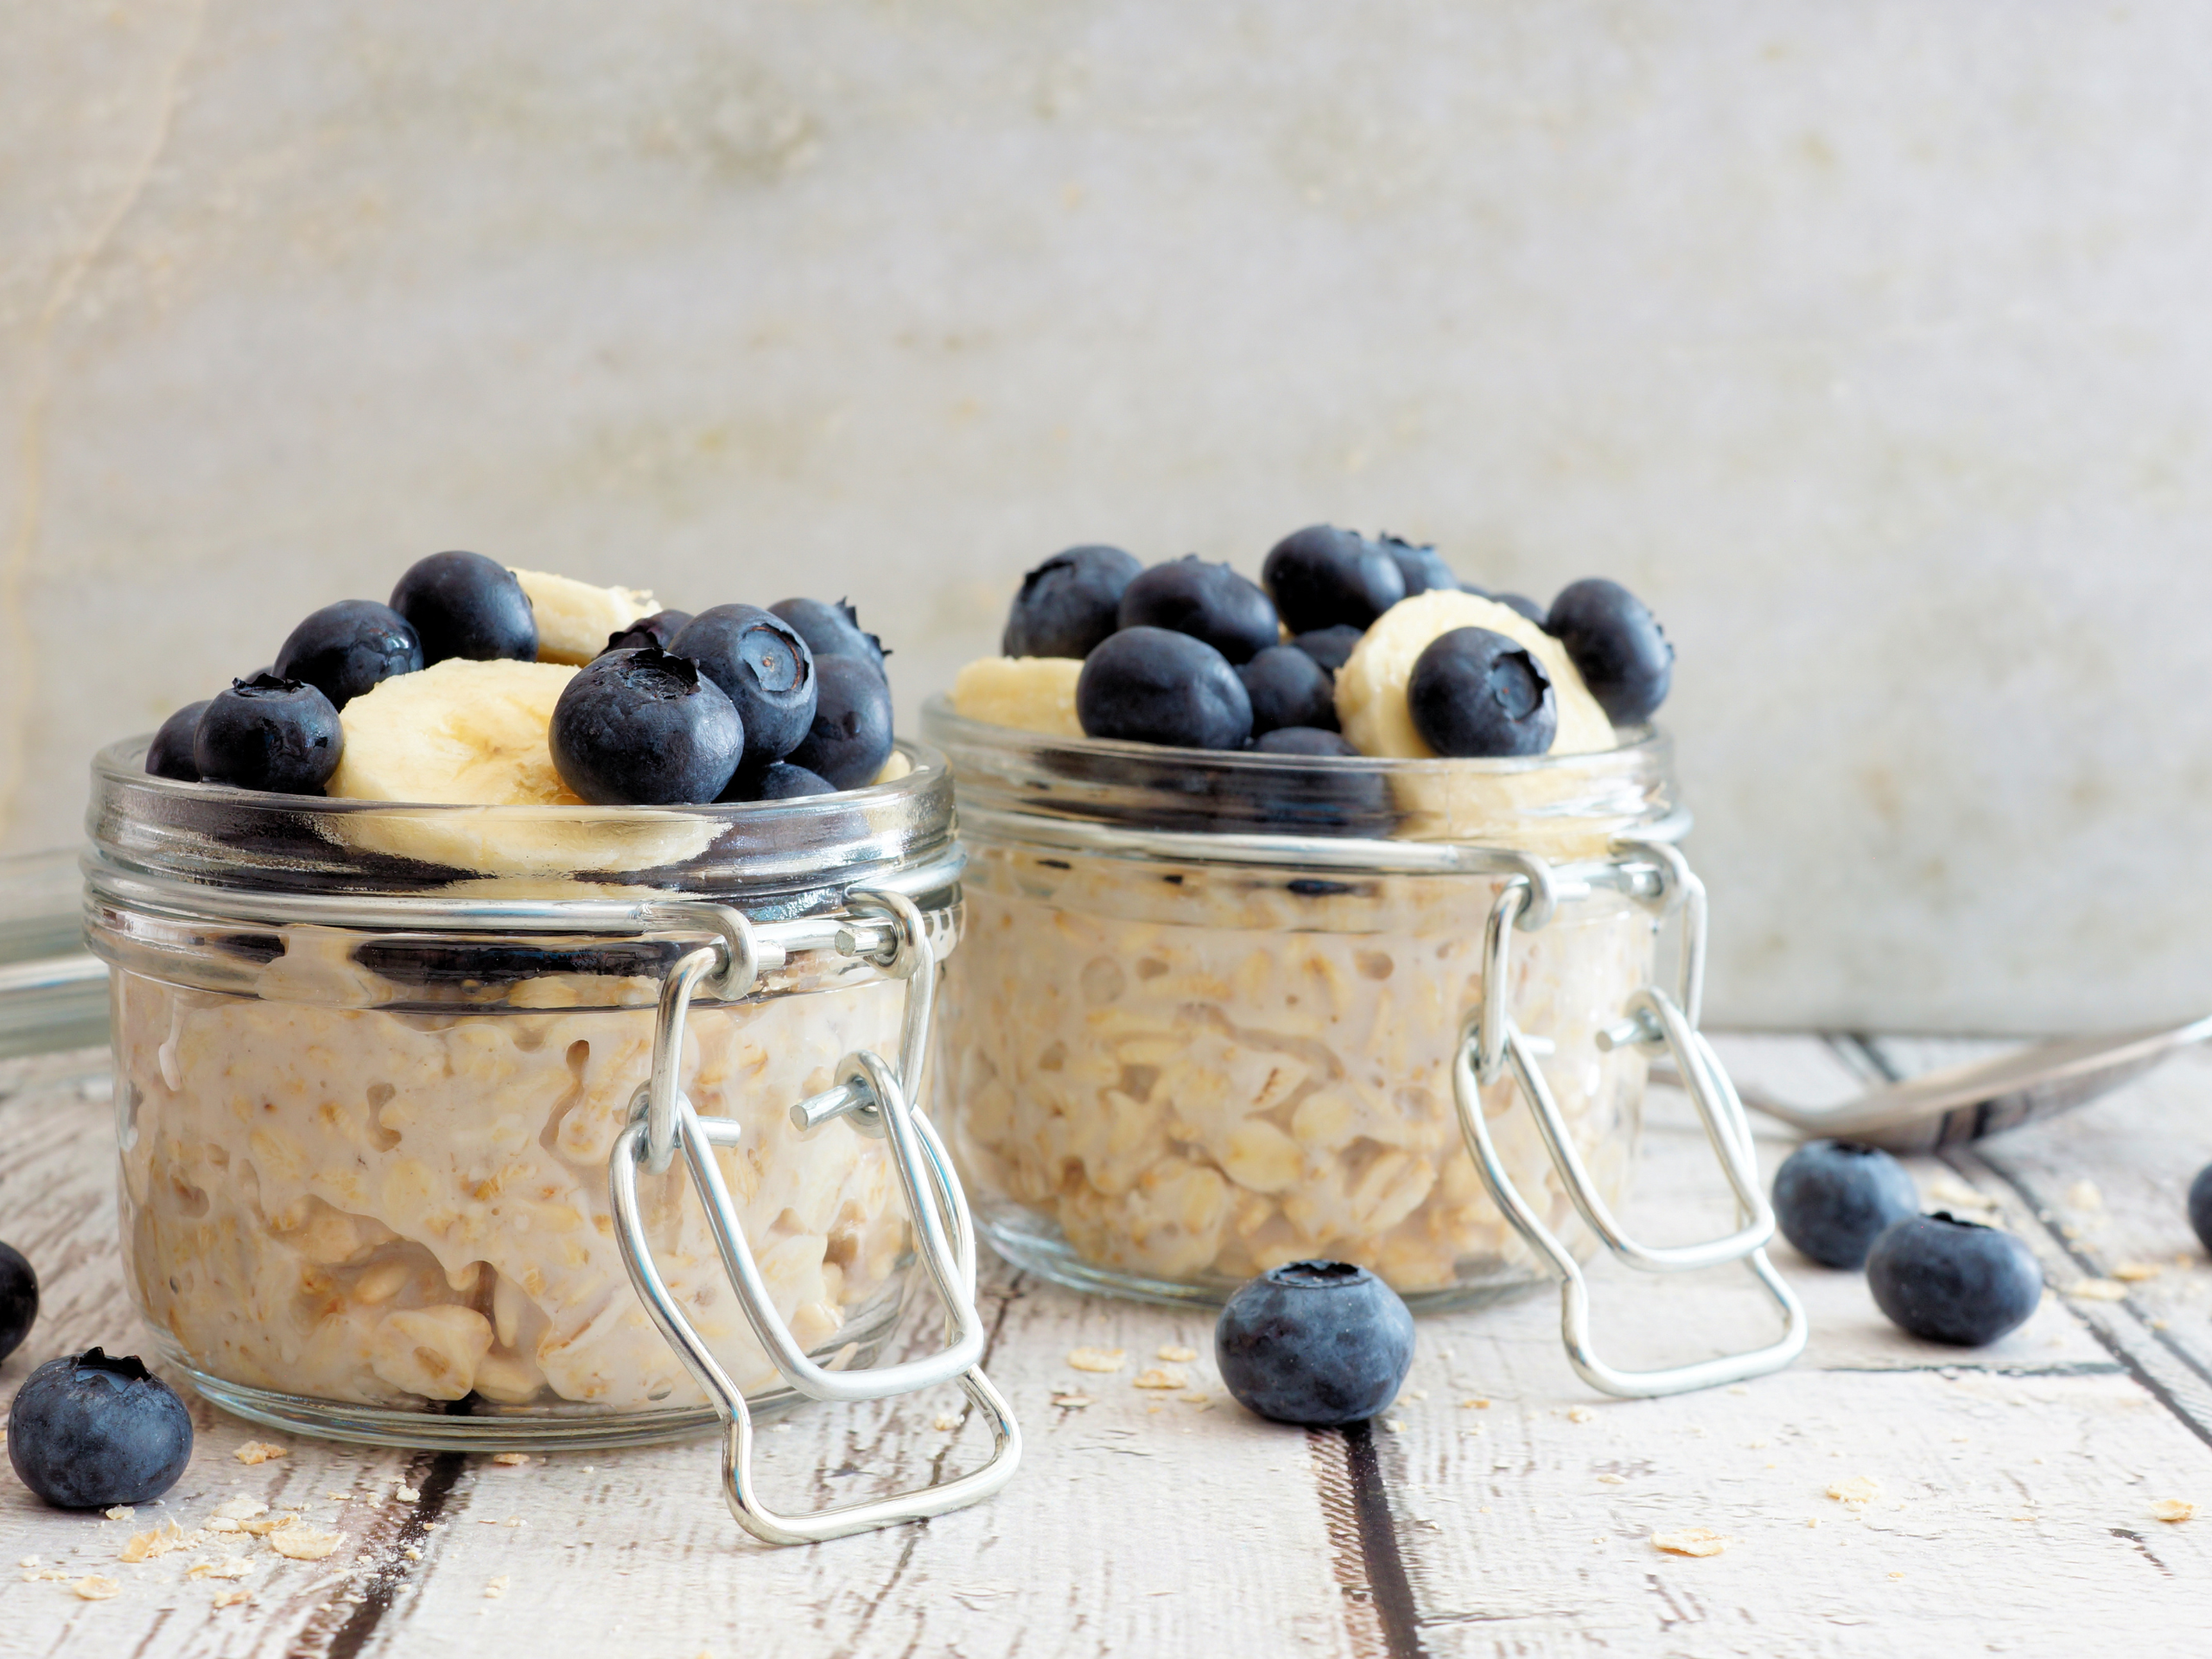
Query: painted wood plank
1526	1525
1142	1522
1105	1542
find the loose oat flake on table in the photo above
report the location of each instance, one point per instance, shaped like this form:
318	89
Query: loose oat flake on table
1690	1540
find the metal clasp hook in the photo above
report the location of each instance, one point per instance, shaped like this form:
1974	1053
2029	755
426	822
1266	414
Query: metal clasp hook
880	1101
1490	1046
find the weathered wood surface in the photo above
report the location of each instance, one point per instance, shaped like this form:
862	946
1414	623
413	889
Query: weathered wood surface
2013	1514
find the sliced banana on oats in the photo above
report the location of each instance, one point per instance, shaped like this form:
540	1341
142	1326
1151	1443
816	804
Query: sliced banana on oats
1471	800
474	734
1371	685
1031	694
575	617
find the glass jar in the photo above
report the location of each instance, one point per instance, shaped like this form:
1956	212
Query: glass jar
1205	1018
371	1059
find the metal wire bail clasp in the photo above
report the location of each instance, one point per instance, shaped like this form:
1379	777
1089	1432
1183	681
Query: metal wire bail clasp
888	928
1491	1045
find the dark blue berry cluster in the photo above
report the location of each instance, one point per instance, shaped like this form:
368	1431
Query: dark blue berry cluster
1935	1276
1193	654
735	704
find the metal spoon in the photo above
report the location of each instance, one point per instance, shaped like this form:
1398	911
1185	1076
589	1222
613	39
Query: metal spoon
1964	1103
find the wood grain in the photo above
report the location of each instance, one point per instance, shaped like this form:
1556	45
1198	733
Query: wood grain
1144	1523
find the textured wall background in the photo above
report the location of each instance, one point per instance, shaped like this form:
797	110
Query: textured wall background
1870	343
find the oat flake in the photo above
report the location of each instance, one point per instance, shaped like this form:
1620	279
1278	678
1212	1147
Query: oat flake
93	1588
2174	1509
1690	1540
1163	1376
260	1452
1095	1359
1175	1354
1859	1489
305	1543
2098	1290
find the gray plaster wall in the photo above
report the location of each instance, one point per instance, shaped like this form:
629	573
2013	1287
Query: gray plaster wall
1869	342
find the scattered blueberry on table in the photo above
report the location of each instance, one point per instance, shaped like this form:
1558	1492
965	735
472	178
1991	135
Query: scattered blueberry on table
87	1431
1314	1343
19	1299
1954	1281
1832	1198
2200	1206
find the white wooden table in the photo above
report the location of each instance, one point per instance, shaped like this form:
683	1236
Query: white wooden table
1498	1508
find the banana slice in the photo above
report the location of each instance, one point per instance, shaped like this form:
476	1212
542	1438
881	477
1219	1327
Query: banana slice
474	734
1470	802
575	617
1371	685
1032	693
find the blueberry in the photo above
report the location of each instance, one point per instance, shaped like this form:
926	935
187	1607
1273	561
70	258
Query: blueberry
833	630
269	733
19	1299
761	661
1832	1199
1951	1281
1522	604
1302	740
1316	1343
1288	688
344	648
465	605
849	738
659	629
169	755
645	728
1321	576
86	1432
1069	603
1614	640
1474	692
1207	601
1331	647
2200	1205
779	781
1424	572
1155	685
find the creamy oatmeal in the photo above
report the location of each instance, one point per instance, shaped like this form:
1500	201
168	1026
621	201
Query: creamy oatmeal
387	1208
1198	1073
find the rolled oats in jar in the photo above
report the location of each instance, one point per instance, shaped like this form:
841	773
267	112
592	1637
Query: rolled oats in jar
1205	1017
364	1125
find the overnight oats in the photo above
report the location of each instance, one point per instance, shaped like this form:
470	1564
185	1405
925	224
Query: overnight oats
1232	851
390	924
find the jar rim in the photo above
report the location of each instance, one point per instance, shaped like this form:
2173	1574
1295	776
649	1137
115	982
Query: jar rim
1556	806
214	834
